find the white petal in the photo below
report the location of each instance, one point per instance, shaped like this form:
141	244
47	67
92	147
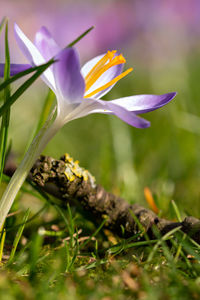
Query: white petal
88	106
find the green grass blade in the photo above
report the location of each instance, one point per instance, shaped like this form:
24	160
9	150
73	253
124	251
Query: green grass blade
35	250
71	225
114	250
10	228
18	236
176	210
93	265
2	242
188	247
163	238
179	249
68	257
165	248
45	110
76	251
94	234
6	116
24	87
80	37
59	210
24	73
2	24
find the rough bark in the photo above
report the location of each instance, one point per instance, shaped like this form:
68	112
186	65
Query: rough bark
66	180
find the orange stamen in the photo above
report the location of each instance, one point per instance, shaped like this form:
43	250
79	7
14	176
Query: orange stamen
108	56
105	86
105	63
116	61
150	200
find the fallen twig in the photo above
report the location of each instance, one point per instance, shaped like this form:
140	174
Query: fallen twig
66	180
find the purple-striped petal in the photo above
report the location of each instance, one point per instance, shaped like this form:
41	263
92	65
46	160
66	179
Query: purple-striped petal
46	44
69	81
144	103
34	56
90	106
127	108
28	48
106	77
128	116
14	69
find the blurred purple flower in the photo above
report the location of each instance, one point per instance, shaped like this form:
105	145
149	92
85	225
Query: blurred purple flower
168	28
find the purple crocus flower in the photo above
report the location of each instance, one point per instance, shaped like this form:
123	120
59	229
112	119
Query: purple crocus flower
78	93
78	90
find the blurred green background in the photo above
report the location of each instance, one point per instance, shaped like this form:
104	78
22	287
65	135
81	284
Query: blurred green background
160	40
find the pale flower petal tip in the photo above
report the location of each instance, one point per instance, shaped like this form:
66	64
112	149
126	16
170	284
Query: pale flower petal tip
27	47
166	98
148	103
33	55
144	103
155	102
46	44
44	31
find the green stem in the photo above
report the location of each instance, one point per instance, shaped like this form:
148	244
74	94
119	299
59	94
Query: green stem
35	149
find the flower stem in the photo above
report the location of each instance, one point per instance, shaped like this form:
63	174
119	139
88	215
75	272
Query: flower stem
35	149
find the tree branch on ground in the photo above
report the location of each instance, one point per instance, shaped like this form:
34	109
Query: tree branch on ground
66	180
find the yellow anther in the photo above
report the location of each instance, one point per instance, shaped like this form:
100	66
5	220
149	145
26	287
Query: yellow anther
105	63
108	56
96	67
100	68
111	54
105	86
121	59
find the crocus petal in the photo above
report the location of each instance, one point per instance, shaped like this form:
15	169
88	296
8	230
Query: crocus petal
28	48
103	79
128	116
144	103
14	69
125	108
90	106
69	81
46	44
34	56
